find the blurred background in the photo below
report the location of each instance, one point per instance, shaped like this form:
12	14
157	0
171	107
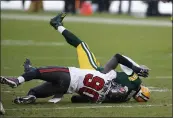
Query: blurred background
141	8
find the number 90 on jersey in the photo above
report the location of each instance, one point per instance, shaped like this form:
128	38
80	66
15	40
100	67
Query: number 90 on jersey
92	86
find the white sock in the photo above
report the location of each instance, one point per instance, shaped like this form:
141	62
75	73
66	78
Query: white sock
61	29
21	79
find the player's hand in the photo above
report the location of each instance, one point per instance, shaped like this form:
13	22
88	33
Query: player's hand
142	71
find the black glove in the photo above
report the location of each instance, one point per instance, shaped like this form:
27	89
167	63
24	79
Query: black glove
141	71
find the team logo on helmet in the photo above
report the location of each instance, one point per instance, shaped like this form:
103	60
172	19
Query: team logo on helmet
143	95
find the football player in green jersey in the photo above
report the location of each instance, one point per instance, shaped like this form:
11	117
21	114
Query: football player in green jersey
130	78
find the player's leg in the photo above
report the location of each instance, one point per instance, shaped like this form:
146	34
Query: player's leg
56	75
86	58
56	22
44	90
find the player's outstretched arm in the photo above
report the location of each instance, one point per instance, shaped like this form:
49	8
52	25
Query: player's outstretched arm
119	59
57	24
114	61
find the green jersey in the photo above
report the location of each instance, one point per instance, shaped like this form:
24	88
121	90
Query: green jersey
131	82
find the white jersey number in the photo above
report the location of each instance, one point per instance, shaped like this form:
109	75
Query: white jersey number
92	86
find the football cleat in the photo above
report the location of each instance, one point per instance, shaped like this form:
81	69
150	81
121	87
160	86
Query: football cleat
25	100
56	98
28	66
12	82
2	110
57	20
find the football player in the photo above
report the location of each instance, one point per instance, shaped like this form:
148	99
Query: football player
129	78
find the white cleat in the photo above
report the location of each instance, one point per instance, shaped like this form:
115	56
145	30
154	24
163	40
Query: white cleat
2	110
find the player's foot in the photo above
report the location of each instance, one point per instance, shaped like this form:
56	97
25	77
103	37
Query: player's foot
56	98
12	82
2	111
57	20
28	66
25	100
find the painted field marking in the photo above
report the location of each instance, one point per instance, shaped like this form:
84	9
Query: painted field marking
96	20
163	77
89	107
29	43
13	91
160	90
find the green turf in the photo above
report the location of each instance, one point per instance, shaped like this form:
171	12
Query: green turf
147	45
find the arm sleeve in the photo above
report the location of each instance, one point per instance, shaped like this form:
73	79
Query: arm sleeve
120	59
127	70
110	65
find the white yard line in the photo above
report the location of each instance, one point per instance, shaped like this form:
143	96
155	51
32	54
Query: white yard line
163	77
13	91
160	90
30	43
89	107
151	87
97	20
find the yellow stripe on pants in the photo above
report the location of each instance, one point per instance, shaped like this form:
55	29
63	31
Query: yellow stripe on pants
86	58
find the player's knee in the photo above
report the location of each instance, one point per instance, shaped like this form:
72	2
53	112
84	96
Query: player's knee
35	92
32	92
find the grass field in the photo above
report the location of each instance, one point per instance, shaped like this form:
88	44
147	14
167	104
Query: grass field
38	41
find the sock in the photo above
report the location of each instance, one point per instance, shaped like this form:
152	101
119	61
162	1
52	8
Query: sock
21	79
33	74
61	29
70	37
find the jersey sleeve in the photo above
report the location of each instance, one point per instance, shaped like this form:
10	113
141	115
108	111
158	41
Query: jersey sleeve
112	74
